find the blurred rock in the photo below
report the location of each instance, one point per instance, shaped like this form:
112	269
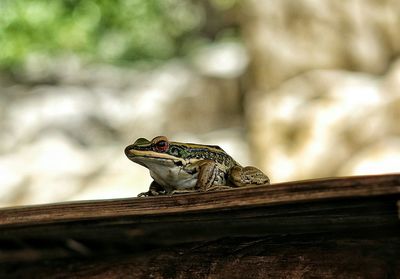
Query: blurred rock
320	93
313	124
224	60
286	38
380	157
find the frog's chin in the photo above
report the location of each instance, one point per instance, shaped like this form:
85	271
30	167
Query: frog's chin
173	177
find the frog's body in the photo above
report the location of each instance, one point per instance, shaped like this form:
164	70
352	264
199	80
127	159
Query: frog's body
186	167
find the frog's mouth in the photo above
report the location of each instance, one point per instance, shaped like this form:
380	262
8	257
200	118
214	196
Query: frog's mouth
149	158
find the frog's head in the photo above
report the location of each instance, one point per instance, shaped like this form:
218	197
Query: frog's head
158	151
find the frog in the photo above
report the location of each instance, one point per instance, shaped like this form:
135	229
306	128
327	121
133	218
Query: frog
178	167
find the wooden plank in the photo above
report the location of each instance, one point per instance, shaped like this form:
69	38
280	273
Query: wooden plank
339	256
332	228
275	194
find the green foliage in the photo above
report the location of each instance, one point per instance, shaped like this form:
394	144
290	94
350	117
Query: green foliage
101	30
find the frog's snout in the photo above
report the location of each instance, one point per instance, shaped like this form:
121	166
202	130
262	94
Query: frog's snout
128	151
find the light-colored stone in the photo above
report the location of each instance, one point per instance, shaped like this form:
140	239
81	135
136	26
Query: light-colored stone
325	83
312	129
287	38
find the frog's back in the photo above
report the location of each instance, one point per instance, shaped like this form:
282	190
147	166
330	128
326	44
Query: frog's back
209	152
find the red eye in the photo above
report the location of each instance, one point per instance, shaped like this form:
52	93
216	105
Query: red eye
161	146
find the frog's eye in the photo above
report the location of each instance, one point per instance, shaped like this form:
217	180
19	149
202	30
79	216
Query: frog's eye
161	146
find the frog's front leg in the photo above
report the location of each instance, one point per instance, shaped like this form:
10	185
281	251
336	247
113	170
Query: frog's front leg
240	176
155	189
208	174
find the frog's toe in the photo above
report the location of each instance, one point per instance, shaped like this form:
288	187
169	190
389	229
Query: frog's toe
143	194
150	193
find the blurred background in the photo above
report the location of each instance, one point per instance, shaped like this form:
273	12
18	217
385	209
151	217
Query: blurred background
299	88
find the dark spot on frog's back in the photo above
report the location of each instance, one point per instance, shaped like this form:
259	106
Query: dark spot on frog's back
220	159
174	151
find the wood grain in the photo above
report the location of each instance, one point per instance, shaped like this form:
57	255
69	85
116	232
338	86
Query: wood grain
344	227
281	257
275	194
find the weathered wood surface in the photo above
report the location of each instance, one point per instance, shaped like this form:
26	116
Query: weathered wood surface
275	194
311	256
335	228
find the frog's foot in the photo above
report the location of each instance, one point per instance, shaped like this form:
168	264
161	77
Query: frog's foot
148	194
154	190
144	194
247	176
